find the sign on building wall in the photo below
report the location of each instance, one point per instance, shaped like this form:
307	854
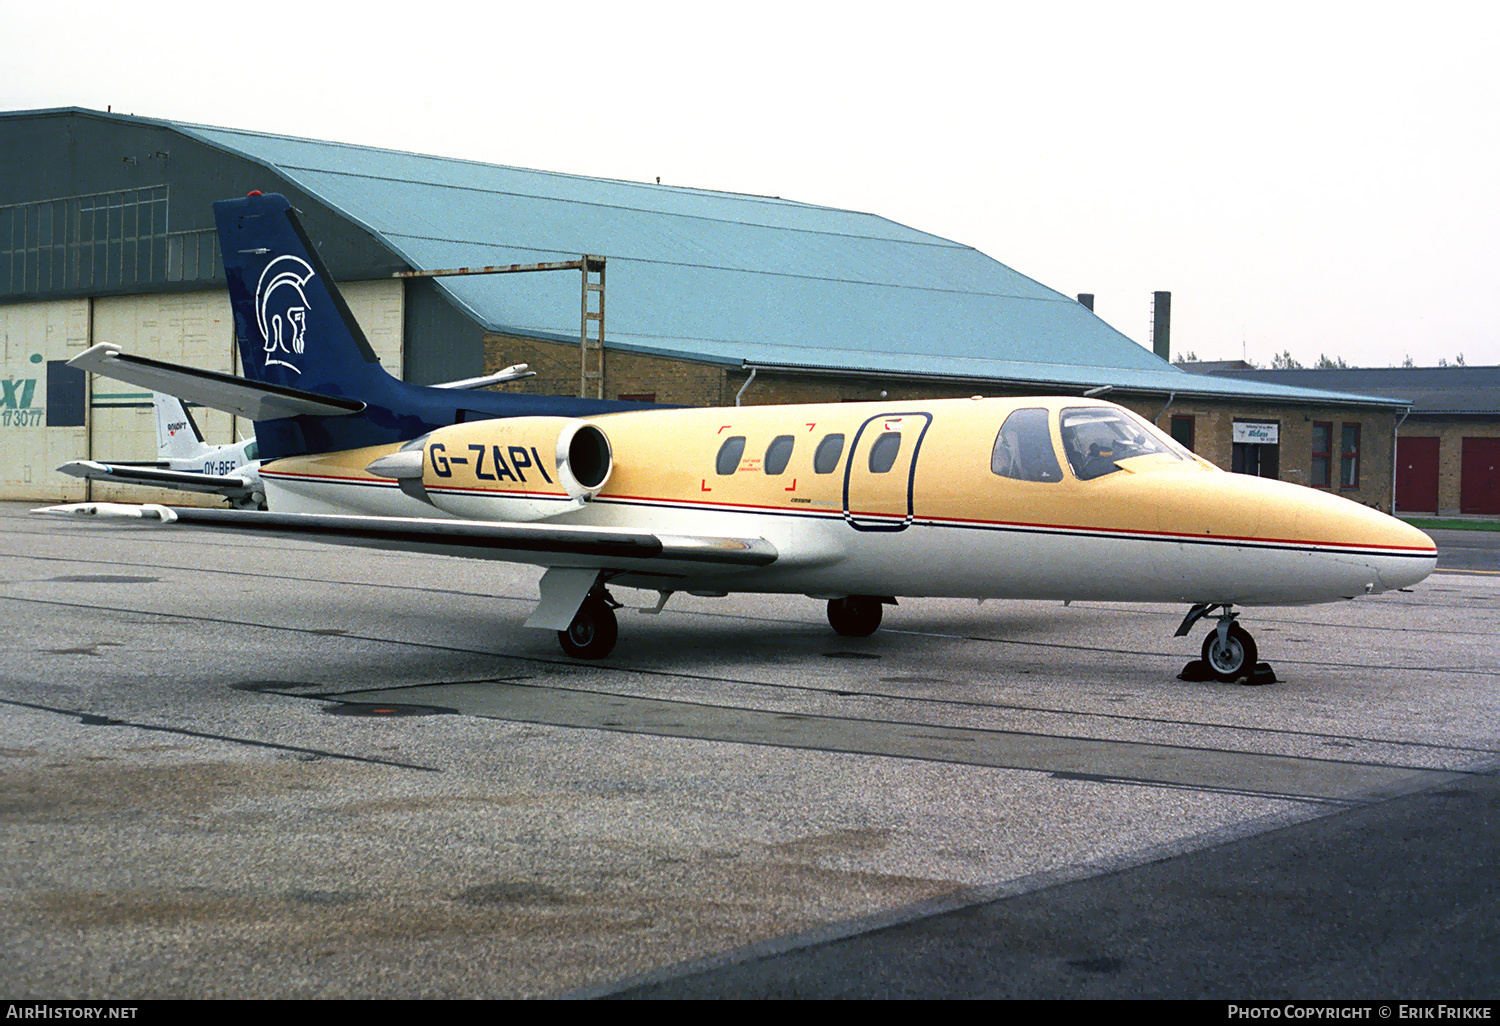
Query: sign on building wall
42	399
1255	432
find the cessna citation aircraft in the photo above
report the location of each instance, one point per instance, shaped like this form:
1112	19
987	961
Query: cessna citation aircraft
1059	498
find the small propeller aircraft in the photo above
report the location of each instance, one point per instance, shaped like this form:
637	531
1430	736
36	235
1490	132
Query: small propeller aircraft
185	462
854	504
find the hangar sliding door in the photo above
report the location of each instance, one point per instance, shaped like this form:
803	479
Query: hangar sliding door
194	329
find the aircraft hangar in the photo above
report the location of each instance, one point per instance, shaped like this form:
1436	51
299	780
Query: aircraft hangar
700	298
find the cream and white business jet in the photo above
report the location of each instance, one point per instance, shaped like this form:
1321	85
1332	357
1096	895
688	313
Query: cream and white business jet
1045	497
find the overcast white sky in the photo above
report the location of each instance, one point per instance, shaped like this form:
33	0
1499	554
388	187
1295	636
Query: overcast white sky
1312	177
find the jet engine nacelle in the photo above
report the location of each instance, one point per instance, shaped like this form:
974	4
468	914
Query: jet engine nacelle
514	468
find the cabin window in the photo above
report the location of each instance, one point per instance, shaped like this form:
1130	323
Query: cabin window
830	450
883	452
1322	455
778	453
729	455
1096	438
1023	448
1349	457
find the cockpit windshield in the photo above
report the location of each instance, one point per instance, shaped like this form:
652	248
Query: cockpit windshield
1097	437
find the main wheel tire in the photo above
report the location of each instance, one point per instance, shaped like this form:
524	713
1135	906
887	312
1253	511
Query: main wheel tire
592	633
857	616
1233	659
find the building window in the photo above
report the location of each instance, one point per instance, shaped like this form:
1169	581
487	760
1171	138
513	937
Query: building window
1349	457
1183	430
638	397
100	242
1322	454
1257	448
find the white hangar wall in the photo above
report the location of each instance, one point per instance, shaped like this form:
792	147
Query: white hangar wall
31	335
191	328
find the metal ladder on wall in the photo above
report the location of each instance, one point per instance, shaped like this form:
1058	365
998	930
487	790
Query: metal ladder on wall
591	343
591	375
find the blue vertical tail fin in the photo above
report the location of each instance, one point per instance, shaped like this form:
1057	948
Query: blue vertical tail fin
294	330
294	327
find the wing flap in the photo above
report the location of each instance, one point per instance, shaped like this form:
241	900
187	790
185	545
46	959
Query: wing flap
537	544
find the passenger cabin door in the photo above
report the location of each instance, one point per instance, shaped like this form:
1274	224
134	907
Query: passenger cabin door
881	473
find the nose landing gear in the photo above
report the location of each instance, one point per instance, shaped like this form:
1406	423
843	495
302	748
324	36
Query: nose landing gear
1229	652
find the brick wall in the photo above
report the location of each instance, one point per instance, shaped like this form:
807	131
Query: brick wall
1214	439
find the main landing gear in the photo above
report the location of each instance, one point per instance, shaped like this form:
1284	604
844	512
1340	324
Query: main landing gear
1229	652
855	616
594	630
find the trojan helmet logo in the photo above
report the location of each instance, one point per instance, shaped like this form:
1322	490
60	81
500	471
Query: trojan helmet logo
281	310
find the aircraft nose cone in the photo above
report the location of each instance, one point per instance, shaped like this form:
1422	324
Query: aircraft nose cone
1291	544
1415	567
1381	552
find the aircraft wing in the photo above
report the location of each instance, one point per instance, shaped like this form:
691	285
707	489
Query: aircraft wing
244	398
231	486
549	545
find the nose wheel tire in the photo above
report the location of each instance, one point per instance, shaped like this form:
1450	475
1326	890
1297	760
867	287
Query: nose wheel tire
857	616
1232	658
592	633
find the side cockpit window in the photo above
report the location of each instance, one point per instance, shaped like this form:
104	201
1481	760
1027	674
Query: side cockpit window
1096	438
1023	448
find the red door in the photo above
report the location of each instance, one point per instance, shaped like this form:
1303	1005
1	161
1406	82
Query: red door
1480	492
1417	475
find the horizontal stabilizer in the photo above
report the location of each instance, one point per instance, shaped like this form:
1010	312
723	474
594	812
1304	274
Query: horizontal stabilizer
240	396
228	485
539	545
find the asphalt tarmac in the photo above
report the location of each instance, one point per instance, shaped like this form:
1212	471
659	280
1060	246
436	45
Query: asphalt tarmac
231	769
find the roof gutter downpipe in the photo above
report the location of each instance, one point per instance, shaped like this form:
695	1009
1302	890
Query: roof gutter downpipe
1171	398
738	395
1395	441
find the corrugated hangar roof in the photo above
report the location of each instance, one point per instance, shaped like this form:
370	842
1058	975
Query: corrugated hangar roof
728	278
